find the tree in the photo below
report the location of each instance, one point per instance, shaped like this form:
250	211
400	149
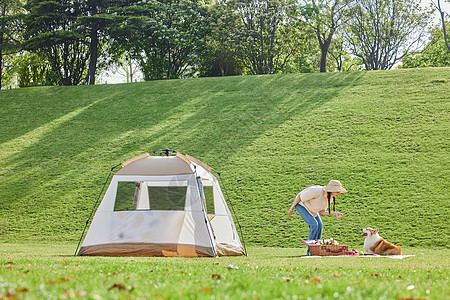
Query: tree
100	20
267	40
10	32
382	32
325	17
166	37
32	70
220	57
52	33
95	21
442	15
434	54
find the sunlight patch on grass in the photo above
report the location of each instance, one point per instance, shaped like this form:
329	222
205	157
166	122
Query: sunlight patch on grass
19	144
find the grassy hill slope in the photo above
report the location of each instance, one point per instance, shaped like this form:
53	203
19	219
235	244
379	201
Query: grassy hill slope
384	134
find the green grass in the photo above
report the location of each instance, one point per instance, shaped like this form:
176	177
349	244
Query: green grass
384	134
50	271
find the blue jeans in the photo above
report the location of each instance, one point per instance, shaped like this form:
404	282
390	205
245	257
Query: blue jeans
315	224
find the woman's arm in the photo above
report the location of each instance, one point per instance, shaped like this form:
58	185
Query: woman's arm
296	201
336	213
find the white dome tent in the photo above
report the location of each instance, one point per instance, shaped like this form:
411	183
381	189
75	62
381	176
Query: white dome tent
166	205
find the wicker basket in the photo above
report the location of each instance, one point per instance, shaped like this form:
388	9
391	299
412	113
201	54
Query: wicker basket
328	250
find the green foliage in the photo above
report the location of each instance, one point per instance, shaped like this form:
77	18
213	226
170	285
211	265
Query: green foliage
171	35
10	36
33	70
381	33
50	271
325	17
435	53
268	37
51	33
220	56
383	134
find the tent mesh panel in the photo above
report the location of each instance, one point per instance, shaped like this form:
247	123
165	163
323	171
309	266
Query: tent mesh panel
167	197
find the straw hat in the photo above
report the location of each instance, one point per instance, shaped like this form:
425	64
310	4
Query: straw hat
335	186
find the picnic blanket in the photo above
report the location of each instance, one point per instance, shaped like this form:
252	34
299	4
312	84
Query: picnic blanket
365	256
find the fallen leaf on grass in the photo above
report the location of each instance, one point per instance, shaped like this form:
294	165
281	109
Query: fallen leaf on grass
206	289
286	279
68	294
77	265
376	275
337	275
121	287
118	286
64	262
216	276
14	293
59	280
315	279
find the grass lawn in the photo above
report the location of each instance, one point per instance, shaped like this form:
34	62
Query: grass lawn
50	271
383	134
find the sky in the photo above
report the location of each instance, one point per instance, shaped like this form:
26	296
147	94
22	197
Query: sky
445	5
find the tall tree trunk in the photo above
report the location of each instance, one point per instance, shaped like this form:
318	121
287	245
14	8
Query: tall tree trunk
93	49
1	59
131	72
323	57
445	31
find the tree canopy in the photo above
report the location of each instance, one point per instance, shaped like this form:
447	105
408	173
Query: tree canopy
68	42
382	32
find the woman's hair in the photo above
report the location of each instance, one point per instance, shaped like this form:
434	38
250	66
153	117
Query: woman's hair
334	202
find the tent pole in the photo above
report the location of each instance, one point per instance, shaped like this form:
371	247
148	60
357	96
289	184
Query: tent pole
232	208
93	209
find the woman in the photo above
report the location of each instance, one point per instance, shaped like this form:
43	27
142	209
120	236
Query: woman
312	202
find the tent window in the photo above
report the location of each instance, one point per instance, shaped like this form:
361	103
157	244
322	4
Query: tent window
167	197
209	197
125	196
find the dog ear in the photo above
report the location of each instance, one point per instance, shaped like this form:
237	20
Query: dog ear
376	230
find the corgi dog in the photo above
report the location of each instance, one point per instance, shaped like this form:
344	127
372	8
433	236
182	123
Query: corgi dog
375	244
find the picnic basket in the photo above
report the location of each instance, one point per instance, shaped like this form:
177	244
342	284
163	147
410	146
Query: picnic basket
328	250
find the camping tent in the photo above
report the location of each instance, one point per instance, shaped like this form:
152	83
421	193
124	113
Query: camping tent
163	206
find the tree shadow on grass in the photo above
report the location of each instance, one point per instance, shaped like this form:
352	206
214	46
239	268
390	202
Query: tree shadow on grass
54	181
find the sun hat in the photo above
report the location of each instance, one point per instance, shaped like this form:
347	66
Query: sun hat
335	186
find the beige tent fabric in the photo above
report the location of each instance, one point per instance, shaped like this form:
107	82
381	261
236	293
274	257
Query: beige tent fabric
144	249
147	231
156	165
135	159
229	250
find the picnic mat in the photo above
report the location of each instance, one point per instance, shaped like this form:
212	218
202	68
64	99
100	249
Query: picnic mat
365	256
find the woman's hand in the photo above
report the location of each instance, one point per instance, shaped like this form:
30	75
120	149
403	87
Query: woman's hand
291	210
338	215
